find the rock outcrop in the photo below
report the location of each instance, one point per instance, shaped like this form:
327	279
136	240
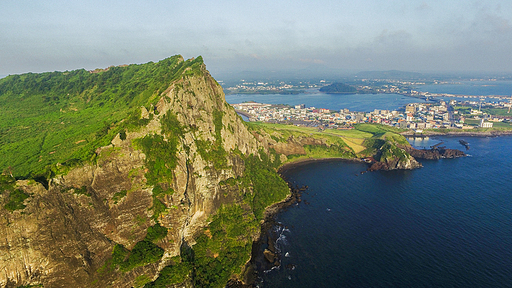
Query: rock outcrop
392	157
434	153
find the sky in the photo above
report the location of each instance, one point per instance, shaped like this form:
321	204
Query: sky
236	36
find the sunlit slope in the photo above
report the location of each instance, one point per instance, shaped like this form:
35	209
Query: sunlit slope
362	141
56	117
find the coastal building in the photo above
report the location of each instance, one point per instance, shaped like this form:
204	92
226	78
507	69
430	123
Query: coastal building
485	124
410	109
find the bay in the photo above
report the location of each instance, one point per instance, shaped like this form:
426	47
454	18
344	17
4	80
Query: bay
314	98
447	224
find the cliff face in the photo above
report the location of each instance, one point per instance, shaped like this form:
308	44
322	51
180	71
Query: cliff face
66	233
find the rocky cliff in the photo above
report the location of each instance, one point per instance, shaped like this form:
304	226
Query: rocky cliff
394	157
94	224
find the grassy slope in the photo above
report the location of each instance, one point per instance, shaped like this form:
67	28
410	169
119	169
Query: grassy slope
57	116
364	140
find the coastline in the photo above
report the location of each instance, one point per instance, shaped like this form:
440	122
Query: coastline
492	133
264	255
300	162
266	239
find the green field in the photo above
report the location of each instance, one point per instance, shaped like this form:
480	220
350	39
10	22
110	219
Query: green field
364	140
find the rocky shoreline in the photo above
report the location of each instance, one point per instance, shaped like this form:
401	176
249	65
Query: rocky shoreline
435	153
264	254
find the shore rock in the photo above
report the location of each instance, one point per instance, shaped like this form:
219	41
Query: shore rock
435	153
271	257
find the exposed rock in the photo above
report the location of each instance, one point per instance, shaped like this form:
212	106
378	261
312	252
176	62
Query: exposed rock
394	157
271	257
434	153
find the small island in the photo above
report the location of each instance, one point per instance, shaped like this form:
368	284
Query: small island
338	88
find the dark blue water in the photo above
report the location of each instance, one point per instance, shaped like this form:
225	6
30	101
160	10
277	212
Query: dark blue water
313	98
448	224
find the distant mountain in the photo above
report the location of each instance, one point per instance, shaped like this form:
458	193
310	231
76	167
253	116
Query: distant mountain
390	74
338	88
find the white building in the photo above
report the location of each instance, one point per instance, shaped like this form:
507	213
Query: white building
484	124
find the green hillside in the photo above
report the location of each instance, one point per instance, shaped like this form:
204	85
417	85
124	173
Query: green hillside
62	117
336	88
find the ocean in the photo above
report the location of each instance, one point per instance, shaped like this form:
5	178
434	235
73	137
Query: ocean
448	224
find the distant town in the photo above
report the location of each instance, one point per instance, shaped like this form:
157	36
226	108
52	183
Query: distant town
415	116
361	86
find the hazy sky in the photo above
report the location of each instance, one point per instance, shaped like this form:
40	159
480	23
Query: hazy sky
448	35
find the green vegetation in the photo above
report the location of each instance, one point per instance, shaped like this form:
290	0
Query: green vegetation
160	157
161	160
141	280
62	117
390	151
338	88
143	253
377	129
224	248
497	111
268	186
362	141
15	200
156	233
462	109
215	153
119	195
82	191
172	274
7	183
221	251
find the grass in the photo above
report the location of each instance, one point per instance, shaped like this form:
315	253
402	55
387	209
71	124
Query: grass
55	117
15	200
338	143
352	133
356	144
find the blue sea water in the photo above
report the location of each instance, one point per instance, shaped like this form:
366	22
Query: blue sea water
448	224
314	98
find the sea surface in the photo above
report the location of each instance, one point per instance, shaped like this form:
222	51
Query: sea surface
448	224
314	98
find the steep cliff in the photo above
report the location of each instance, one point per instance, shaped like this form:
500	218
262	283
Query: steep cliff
185	169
